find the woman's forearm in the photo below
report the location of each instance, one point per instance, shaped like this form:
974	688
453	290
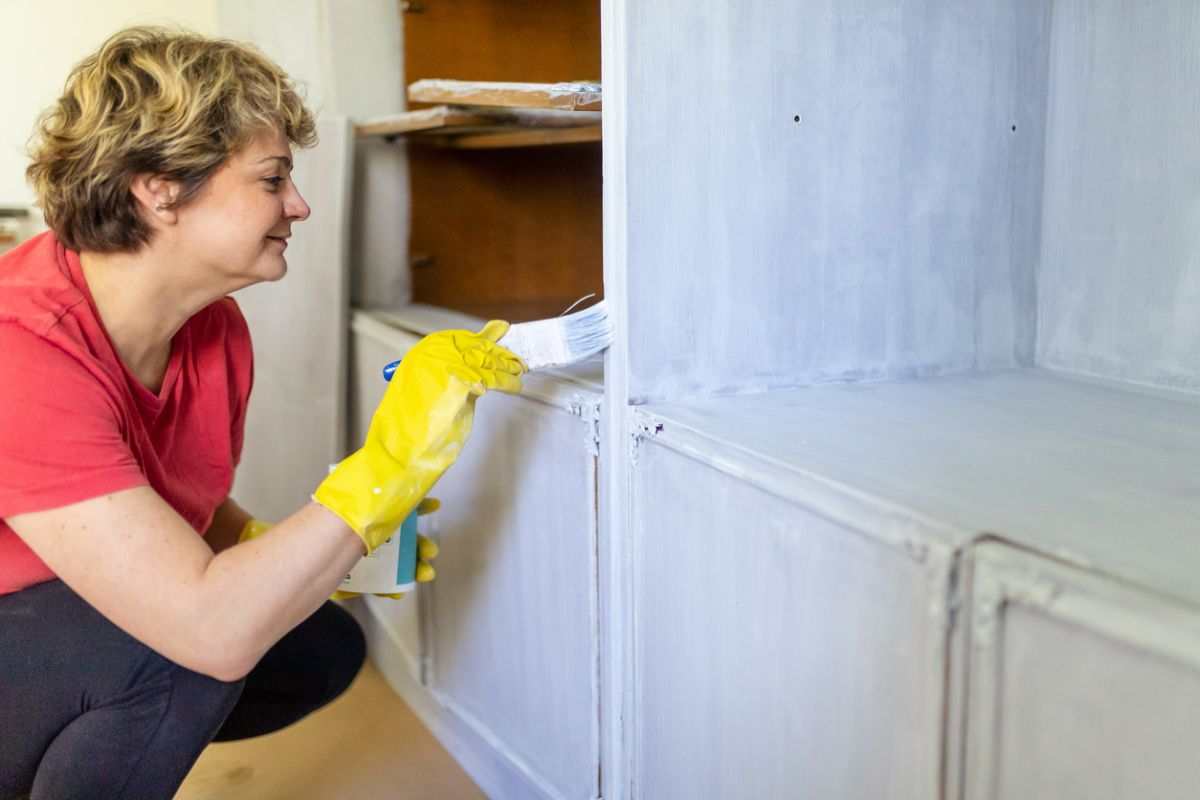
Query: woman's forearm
259	590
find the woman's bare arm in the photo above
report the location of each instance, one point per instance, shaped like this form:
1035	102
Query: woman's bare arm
134	559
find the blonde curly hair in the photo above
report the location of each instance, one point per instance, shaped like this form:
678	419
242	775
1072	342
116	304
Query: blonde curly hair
151	100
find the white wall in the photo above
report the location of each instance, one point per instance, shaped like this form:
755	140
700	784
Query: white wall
40	42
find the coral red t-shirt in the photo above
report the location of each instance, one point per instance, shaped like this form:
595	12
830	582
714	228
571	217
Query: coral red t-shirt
76	424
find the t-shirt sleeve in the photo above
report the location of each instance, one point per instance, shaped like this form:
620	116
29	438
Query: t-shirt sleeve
60	432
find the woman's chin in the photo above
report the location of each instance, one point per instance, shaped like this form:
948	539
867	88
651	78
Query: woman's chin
273	271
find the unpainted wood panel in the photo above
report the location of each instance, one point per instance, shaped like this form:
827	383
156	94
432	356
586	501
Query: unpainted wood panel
513	625
1082	716
513	234
830	190
537	41
1119	286
778	654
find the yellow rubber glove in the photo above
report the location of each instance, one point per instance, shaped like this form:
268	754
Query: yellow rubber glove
419	428
427	549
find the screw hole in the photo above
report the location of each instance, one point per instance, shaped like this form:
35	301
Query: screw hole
796	118
1014	127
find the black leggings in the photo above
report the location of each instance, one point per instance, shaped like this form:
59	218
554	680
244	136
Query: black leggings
87	711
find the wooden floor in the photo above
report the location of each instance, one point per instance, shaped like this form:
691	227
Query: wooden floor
366	744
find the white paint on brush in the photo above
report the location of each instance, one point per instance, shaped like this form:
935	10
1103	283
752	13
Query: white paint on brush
563	340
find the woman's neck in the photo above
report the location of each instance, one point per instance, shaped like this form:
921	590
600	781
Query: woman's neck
140	309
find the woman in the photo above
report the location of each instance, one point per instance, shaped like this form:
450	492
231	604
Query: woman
127	641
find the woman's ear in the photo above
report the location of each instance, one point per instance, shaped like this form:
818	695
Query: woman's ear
156	195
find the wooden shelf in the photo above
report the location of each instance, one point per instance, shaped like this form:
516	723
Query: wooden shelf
562	96
1095	473
529	138
474	127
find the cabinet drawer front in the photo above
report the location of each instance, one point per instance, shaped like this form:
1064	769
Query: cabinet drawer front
1079	687
778	654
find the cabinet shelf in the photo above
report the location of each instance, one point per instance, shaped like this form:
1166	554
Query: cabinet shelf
562	96
1099	474
475	127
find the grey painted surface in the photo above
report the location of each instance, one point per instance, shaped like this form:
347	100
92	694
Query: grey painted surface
1119	291
1079	687
1097	473
513	623
507	634
778	654
893	230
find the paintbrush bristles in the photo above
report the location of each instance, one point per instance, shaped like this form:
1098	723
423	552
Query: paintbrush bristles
562	340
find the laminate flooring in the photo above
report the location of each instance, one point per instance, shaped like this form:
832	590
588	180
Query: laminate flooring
366	745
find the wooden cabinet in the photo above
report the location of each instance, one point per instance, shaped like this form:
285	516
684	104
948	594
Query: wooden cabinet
504	201
931	269
893	490
499	654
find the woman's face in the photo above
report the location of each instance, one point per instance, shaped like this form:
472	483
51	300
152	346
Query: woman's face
240	223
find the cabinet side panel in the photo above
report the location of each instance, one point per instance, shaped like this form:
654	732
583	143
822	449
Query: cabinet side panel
831	191
779	655
1120	277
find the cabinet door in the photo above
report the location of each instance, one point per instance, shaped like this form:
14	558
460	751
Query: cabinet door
778	653
1079	687
506	639
513	625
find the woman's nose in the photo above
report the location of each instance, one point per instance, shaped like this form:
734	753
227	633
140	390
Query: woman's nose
294	207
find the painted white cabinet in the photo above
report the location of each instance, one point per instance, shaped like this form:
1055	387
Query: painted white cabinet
1079	686
500	652
778	653
896	493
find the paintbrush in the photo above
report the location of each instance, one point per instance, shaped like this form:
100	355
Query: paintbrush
556	342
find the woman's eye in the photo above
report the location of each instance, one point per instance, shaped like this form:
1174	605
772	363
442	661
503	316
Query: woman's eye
274	182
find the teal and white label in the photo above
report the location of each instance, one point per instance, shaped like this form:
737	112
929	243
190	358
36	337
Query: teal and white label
392	567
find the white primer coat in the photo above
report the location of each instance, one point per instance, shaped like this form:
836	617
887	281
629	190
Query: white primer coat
1080	687
516	577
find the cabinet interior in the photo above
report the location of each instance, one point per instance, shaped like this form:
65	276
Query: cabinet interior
511	233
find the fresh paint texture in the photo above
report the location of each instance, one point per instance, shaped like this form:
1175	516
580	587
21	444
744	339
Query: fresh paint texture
1080	687
1119	290
833	190
776	650
501	657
